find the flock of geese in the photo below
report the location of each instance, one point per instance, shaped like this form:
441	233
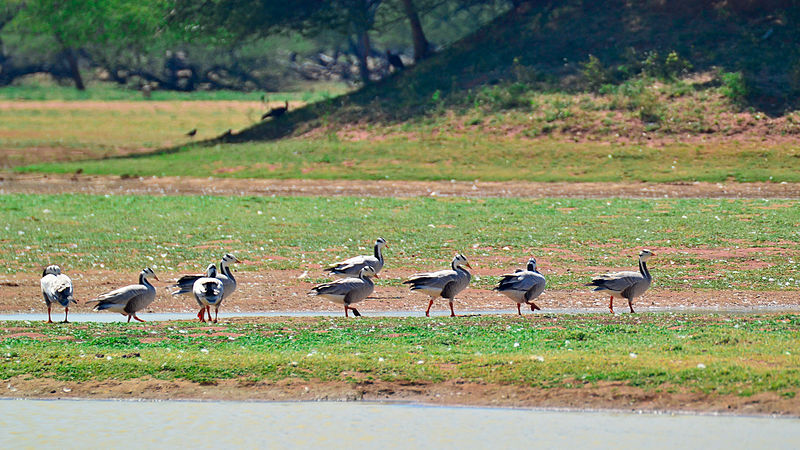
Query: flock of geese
354	284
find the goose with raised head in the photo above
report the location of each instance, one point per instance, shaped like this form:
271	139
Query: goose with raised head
348	291
352	267
523	286
185	283
208	290
444	283
56	288
625	284
129	300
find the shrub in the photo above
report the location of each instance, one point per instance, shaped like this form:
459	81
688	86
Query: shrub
734	86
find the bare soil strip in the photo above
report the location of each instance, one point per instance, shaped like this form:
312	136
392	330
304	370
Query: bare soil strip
57	184
282	291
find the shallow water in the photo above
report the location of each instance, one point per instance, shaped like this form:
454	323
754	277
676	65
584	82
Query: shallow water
109	317
129	424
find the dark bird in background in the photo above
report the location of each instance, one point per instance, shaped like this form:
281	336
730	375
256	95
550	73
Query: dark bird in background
276	112
395	61
192	132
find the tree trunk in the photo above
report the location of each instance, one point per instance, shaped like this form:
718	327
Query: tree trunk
74	70
421	45
363	53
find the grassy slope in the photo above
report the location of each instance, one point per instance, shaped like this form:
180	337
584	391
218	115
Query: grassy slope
509	103
718	244
738	355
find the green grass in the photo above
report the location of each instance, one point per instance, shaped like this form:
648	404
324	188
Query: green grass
701	243
723	354
460	158
101	91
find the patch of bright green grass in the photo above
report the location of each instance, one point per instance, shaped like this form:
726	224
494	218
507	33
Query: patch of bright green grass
460	157
724	354
701	243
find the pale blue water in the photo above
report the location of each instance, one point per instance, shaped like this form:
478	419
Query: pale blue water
174	424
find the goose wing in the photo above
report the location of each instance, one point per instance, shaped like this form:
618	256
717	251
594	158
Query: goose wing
185	283
518	281
119	296
339	287
58	288
432	280
616	282
353	265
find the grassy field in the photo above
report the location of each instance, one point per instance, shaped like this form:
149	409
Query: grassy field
702	243
723	354
461	158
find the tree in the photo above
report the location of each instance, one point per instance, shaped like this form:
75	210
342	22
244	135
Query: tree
421	44
73	24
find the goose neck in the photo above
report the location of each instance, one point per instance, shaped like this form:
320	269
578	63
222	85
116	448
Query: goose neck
223	266
643	268
143	280
378	252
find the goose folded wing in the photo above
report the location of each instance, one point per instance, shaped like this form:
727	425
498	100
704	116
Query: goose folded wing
121	295
617	281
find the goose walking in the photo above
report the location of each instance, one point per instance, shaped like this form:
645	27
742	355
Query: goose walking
186	283
131	299
523	286
444	283
625	284
208	291
348	291
56	288
352	267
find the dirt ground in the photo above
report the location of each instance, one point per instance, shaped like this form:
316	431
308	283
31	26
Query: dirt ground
78	183
603	395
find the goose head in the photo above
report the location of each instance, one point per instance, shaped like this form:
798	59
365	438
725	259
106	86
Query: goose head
532	264
367	272
52	270
381	242
228	258
460	261
211	271
645	254
148	272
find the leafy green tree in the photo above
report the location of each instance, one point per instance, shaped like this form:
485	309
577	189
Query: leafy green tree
73	24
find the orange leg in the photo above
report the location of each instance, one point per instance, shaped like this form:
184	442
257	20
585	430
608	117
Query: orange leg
202	314
630	303
452	313
534	307
129	319
519	311
345	311
208	310
134	316
428	311
611	304
49	320
66	313
216	313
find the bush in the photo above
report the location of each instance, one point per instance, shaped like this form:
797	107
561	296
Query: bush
595	74
734	86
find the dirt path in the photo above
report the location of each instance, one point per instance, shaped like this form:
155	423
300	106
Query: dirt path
56	184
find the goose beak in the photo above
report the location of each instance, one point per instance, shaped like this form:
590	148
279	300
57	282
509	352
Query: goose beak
156	277
376	275
467	264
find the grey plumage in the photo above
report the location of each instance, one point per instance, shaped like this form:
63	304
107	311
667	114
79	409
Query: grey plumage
186	283
352	267
625	284
129	300
348	291
523	286
444	283
56	288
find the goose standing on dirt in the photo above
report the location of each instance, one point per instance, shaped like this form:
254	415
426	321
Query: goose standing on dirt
625	284
352	267
56	288
523	286
186	282
131	299
347	291
444	283
208	291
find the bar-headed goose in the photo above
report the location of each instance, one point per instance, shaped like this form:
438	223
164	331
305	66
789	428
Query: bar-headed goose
348	291
444	283
185	283
56	288
523	286
208	291
352	267
625	284
129	300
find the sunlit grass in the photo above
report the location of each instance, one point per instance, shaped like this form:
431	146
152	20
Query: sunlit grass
726	354
701	243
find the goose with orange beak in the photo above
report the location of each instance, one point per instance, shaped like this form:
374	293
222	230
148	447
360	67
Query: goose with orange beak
444	283
625	284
